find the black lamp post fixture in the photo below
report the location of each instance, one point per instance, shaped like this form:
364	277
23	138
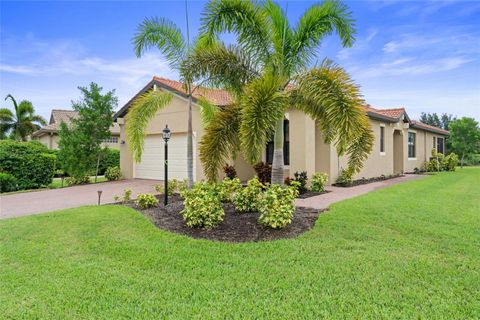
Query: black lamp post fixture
166	137
99	196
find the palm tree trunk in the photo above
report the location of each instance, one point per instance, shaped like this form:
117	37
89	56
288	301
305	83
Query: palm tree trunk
461	163
277	163
190	142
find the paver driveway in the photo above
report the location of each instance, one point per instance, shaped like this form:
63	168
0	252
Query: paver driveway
22	204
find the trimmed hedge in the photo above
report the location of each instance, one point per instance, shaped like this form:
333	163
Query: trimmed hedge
8	182
111	158
31	163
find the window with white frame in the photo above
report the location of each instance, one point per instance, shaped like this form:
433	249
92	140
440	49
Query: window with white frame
382	139
440	145
110	140
412	137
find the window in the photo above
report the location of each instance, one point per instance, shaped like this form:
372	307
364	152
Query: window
382	139
411	144
434	142
440	145
110	140
286	146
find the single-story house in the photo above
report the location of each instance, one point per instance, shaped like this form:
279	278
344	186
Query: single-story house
48	135
401	144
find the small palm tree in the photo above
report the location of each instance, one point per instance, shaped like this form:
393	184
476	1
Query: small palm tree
22	122
167	37
267	73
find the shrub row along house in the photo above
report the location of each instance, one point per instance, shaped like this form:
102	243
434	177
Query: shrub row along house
401	144
48	135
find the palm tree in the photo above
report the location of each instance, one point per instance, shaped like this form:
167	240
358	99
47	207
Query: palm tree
267	72
20	123
166	36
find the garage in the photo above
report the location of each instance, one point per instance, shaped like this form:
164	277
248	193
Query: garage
151	165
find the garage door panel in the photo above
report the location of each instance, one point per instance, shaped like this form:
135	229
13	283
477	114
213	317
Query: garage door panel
151	164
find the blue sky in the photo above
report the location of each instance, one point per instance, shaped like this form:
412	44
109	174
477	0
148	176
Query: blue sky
424	56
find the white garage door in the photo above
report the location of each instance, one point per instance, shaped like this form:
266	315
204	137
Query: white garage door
151	165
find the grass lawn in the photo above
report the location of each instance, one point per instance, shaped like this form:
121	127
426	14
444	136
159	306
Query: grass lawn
408	251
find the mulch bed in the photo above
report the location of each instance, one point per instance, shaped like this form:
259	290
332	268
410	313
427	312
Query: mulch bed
309	194
370	180
235	227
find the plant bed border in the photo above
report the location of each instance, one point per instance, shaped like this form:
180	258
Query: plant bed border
310	194
362	181
235	228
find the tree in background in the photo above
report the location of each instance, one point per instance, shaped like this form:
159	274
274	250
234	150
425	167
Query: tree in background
21	123
465	137
269	72
80	143
433	119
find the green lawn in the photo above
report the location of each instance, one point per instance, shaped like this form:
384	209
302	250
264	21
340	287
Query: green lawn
57	182
407	251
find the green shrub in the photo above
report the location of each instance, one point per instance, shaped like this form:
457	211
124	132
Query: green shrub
319	179
203	208
277	206
450	162
174	186
71	181
228	188
110	158
345	179
247	199
146	200
113	174
127	195
30	163
8	183
301	178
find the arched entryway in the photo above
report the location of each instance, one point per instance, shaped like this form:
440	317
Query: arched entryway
398	156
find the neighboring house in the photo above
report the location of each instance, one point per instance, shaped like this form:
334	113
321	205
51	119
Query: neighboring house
401	144
48	135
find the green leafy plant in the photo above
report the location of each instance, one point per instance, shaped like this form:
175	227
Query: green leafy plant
228	188
301	178
109	158
127	195
71	181
203	208
345	179
117	198
8	183
450	162
319	179
30	163
277	206
230	171
146	200
113	173
247	199
264	172
174	186
22	122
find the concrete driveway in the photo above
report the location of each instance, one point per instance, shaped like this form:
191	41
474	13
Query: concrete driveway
22	204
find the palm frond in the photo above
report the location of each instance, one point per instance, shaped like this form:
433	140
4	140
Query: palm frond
141	112
228	67
317	22
25	110
330	97
243	18
164	34
221	140
207	111
38	119
263	103
6	116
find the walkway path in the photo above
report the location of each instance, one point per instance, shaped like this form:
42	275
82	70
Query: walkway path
22	204
338	194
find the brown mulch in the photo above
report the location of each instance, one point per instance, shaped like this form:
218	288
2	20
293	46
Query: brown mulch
369	180
235	227
309	194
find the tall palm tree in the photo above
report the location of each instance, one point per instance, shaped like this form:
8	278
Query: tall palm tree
168	38
20	123
267	72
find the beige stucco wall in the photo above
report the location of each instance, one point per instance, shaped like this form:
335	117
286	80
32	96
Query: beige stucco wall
50	140
424	146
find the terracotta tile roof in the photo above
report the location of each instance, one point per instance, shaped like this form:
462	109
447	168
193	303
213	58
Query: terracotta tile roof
421	125
395	113
58	116
219	97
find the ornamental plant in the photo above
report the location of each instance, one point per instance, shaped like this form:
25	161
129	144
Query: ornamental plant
146	200
247	199
319	179
345	179
203	208
113	174
301	178
277	206
450	162
8	182
228	188
127	195
174	186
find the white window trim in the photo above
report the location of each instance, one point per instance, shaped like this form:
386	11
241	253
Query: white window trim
415	144
384	153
